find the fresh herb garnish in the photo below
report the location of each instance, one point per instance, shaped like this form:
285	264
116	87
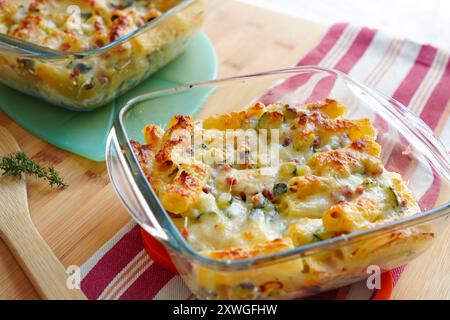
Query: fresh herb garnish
19	163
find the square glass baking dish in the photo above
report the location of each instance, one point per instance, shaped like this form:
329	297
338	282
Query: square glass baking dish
409	148
106	72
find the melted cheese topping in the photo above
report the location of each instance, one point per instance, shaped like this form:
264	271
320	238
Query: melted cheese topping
80	25
329	179
95	23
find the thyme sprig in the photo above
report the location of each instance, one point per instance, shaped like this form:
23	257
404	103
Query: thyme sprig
19	163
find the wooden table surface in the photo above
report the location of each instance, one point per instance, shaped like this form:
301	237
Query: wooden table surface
80	219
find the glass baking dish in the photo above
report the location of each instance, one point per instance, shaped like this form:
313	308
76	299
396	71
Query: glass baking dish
106	72
409	148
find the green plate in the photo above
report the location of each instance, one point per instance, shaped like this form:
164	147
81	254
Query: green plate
85	133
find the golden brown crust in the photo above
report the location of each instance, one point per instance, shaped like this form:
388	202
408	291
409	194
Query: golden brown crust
330	107
153	135
235	120
366	144
47	22
307	185
122	25
178	135
345	162
185	188
349	216
335	161
330	182
256	250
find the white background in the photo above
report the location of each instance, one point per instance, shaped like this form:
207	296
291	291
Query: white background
424	21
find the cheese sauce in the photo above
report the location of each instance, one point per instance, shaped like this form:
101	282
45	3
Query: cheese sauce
328	179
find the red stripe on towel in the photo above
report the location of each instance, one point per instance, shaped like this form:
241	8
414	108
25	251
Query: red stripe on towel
140	290
415	76
347	62
314	57
431	114
437	102
404	93
112	263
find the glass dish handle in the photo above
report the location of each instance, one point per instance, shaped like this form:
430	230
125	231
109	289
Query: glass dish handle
426	136
128	191
11	46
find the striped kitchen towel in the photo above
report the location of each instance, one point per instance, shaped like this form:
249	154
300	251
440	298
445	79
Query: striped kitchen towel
416	75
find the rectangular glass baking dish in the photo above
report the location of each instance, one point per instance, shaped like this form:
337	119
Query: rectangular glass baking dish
113	68
409	148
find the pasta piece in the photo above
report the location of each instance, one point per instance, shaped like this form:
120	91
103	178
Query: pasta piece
153	135
366	145
351	216
330	107
304	186
176	143
183	192
236	120
303	137
309	207
58	79
354	129
265	281
304	231
247	181
253	251
271	120
344	162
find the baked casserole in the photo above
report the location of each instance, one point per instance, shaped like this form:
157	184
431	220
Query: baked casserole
103	47
320	177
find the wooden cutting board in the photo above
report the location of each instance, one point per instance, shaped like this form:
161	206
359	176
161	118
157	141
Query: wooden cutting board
77	221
